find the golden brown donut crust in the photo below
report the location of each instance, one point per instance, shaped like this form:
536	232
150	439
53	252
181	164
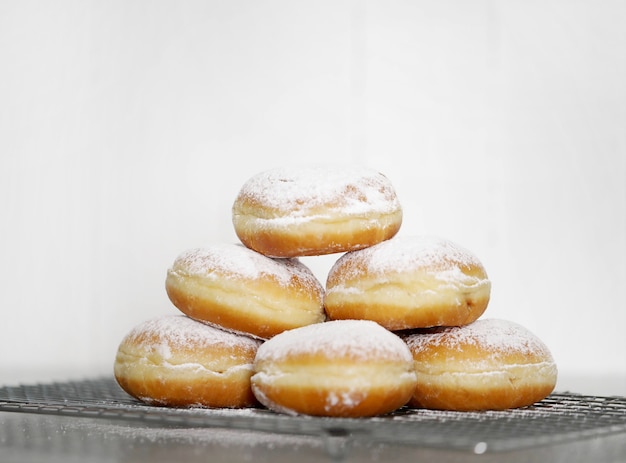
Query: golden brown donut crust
488	365
241	290
408	282
315	210
175	361
348	368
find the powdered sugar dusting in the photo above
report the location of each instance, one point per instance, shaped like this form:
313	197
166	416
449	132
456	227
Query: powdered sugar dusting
237	261
492	335
359	339
298	189
406	253
174	332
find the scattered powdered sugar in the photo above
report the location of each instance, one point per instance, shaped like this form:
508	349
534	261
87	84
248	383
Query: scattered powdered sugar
173	332
359	339
163	349
238	261
187	443
297	189
407	253
490	334
348	399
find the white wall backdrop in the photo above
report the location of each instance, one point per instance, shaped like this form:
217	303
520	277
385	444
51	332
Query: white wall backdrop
127	128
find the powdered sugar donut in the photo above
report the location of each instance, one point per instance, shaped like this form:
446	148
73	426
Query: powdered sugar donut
236	288
176	361
408	282
315	210
347	368
487	365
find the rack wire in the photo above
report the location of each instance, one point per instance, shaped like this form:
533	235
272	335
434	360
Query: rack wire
559	418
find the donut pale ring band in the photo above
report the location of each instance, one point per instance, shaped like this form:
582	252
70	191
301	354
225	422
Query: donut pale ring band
487	365
408	282
176	361
241	290
315	210
345	368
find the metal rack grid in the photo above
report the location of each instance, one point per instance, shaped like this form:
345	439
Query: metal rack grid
561	417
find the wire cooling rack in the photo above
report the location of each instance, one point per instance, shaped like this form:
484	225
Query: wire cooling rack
559	418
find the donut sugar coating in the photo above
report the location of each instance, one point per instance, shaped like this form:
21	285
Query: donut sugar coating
408	282
490	364
175	361
315	210
344	368
236	288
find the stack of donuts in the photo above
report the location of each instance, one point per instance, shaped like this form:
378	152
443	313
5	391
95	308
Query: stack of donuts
397	323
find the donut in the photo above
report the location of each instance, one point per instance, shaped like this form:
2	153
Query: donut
236	288
175	361
408	282
343	368
315	210
490	364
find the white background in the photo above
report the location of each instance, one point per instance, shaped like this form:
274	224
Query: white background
127	128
